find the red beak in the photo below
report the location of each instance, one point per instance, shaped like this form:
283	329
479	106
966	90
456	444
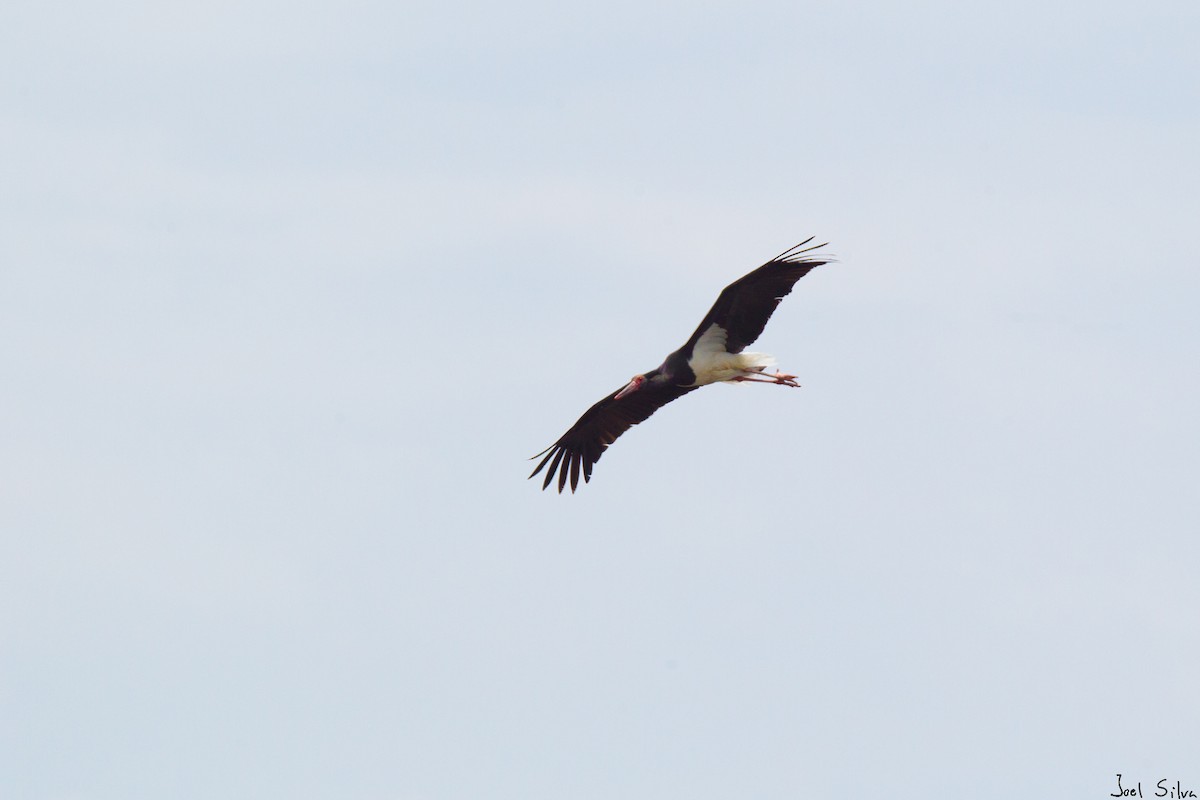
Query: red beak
630	387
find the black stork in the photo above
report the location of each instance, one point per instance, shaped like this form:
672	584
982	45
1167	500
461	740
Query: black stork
712	354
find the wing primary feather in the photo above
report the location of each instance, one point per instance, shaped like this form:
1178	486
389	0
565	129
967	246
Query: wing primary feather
562	473
575	459
558	454
544	460
792	250
800	253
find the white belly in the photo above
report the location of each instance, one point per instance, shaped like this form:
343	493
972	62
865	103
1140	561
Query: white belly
711	363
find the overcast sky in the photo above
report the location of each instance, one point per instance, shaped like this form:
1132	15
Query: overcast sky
290	292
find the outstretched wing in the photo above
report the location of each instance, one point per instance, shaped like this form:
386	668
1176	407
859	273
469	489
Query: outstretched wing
581	447
744	306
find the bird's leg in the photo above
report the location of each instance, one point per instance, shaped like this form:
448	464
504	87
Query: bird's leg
779	378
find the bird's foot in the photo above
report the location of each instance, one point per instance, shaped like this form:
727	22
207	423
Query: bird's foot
784	379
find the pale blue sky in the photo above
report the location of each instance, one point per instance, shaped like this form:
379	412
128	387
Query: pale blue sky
288	293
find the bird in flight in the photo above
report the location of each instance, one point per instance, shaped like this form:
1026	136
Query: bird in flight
712	354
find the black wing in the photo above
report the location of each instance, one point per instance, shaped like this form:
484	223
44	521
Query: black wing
581	446
745	305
